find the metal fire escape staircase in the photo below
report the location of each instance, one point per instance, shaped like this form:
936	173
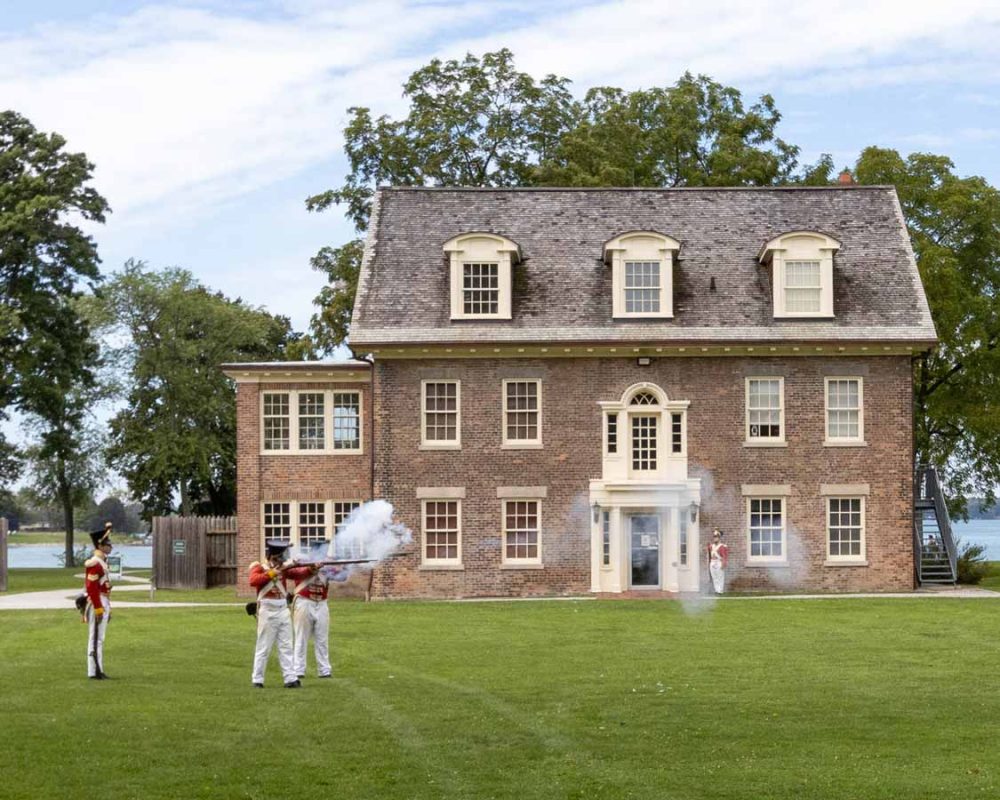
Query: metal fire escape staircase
934	544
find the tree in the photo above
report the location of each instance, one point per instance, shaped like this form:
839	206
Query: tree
694	133
47	355
177	433
474	122
954	226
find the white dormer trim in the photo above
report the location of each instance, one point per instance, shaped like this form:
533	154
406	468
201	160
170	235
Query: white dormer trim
796	246
648	247
481	248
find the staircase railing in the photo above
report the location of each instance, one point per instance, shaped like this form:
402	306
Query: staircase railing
929	488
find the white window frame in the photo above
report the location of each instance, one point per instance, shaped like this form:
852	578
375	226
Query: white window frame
513	444
293	423
764	441
444	563
295	526
767	560
848	559
481	248
801	246
519	562
639	247
440	444
842	441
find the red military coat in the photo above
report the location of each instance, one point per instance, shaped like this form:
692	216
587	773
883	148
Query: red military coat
261	575
723	554
314	584
97	581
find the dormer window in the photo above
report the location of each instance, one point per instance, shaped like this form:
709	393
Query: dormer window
642	266
802	270
480	271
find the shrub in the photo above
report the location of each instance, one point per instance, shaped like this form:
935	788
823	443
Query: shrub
972	564
80	554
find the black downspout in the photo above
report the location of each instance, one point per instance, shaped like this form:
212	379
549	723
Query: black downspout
371	452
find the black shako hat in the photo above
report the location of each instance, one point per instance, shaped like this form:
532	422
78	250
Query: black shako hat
101	537
274	547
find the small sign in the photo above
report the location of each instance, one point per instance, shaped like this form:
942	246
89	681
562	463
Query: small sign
180	547
646	539
114	568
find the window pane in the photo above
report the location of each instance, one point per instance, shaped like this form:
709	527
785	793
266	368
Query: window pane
441	530
441	412
521	530
312	524
521	410
355	548
278	521
481	288
644	442
766	528
277	421
312	430
843	409
764	408
844	527
612	433
346	421
642	287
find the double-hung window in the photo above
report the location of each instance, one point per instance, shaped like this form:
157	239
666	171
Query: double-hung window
845	528
642	287
845	411
480	289
312	524
766	529
522	532
522	413
765	404
353	547
803	290
278	522
441	415
307	524
442	545
311	422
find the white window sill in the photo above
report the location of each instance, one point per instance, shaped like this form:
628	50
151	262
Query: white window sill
768	564
834	443
440	447
519	446
787	315
760	443
832	562
643	316
479	316
312	452
431	567
522	566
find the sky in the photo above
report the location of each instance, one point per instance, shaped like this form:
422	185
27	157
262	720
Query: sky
210	122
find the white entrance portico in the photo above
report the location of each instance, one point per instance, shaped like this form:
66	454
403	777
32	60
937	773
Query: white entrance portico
644	522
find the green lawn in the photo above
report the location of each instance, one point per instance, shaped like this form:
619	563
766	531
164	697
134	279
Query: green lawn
577	699
992	579
43	579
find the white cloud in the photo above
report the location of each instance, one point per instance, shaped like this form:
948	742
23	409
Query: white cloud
184	107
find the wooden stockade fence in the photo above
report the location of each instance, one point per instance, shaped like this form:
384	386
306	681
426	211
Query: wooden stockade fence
3	554
194	552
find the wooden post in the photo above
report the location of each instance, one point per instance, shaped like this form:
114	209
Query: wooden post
3	554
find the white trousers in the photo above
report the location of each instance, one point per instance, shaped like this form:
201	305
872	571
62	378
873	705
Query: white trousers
274	625
95	658
311	618
718	576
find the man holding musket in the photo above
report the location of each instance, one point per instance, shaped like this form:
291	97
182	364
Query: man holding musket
97	584
274	622
311	615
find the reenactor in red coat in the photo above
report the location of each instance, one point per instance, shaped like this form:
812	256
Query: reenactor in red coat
311	616
97	584
274	622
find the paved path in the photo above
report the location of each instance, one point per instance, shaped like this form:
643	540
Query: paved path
63	598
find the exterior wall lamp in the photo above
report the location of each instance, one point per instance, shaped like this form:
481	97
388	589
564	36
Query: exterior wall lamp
694	512
596	509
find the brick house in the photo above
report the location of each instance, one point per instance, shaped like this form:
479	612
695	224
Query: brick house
570	389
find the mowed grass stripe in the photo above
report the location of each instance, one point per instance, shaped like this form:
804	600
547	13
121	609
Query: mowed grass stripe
783	699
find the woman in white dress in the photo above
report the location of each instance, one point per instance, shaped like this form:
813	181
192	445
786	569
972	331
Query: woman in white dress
718	557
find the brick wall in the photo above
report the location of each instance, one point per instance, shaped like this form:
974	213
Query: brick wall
571	456
265	478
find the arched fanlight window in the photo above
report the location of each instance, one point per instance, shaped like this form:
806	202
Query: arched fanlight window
645	399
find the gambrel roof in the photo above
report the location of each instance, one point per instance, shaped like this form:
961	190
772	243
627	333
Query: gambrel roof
562	289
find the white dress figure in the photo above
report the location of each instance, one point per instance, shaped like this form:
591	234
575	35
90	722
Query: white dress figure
718	557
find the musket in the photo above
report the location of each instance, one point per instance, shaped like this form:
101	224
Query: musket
329	563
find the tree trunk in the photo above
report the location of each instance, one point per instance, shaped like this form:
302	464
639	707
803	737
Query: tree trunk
66	498
185	499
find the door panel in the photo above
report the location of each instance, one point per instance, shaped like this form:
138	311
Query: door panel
645	539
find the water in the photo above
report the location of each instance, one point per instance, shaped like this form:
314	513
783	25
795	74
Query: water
980	531
20	556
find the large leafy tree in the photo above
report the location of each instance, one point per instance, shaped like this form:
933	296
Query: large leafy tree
696	132
474	122
176	436
954	225
47	354
480	122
